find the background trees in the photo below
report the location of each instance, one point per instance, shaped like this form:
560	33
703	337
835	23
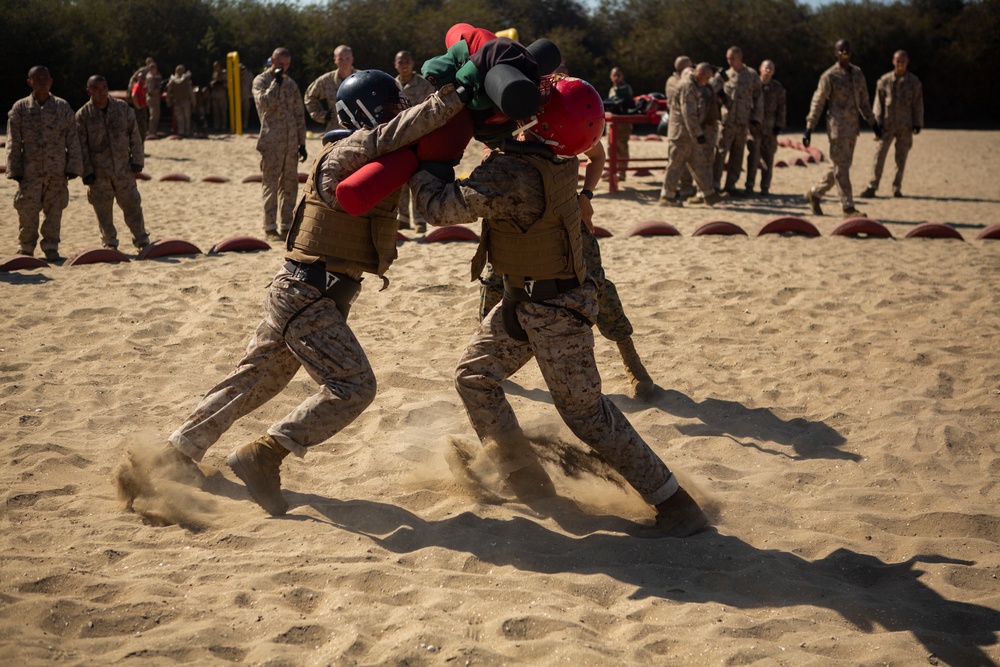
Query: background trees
953	44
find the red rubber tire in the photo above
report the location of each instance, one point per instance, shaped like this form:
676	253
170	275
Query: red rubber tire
862	227
653	228
452	233
934	230
991	232
97	256
167	248
180	178
239	244
719	228
21	262
789	225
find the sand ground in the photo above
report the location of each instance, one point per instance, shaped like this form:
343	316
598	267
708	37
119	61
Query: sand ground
834	401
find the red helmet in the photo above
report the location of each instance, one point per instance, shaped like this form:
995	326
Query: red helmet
572	121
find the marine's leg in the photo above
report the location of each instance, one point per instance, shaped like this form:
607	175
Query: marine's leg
842	154
101	196
28	204
904	142
270	170
130	201
288	191
54	201
736	149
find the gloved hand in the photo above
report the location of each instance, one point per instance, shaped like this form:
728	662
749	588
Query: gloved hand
877	129
14	178
916	129
70	175
136	168
777	130
442	170
303	155
721	73
464	94
754	123
807	137
279	75
702	139
89	179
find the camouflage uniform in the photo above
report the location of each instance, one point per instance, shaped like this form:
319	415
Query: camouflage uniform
765	144
302	329
220	100
511	188
673	83
141	112
42	149
845	92
416	90
687	113
611	319
282	131
743	108
180	98
154	93
324	89
110	141
899	107
622	130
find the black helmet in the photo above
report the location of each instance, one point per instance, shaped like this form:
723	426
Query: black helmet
369	98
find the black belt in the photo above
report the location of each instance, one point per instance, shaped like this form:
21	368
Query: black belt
339	287
536	291
540	290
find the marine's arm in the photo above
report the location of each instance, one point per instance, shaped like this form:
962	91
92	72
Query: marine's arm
313	101
596	158
364	146
15	146
503	187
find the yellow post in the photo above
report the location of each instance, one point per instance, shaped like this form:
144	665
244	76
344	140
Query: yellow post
235	96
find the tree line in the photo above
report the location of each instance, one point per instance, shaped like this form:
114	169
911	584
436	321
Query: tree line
952	43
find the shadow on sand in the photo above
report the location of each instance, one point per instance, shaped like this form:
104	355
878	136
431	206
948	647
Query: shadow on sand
872	595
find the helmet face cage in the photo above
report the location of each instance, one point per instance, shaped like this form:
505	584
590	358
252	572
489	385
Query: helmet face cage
369	98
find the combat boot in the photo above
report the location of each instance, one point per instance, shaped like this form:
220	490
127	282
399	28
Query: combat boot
712	199
641	383
257	464
678	516
814	202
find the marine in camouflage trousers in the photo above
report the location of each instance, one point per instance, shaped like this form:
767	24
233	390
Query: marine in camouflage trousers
563	346
48	195
762	147
280	187
611	319
904	142
299	329
103	193
841	156
729	153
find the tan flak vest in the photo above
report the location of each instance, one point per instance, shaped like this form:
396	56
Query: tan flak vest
348	243
552	247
